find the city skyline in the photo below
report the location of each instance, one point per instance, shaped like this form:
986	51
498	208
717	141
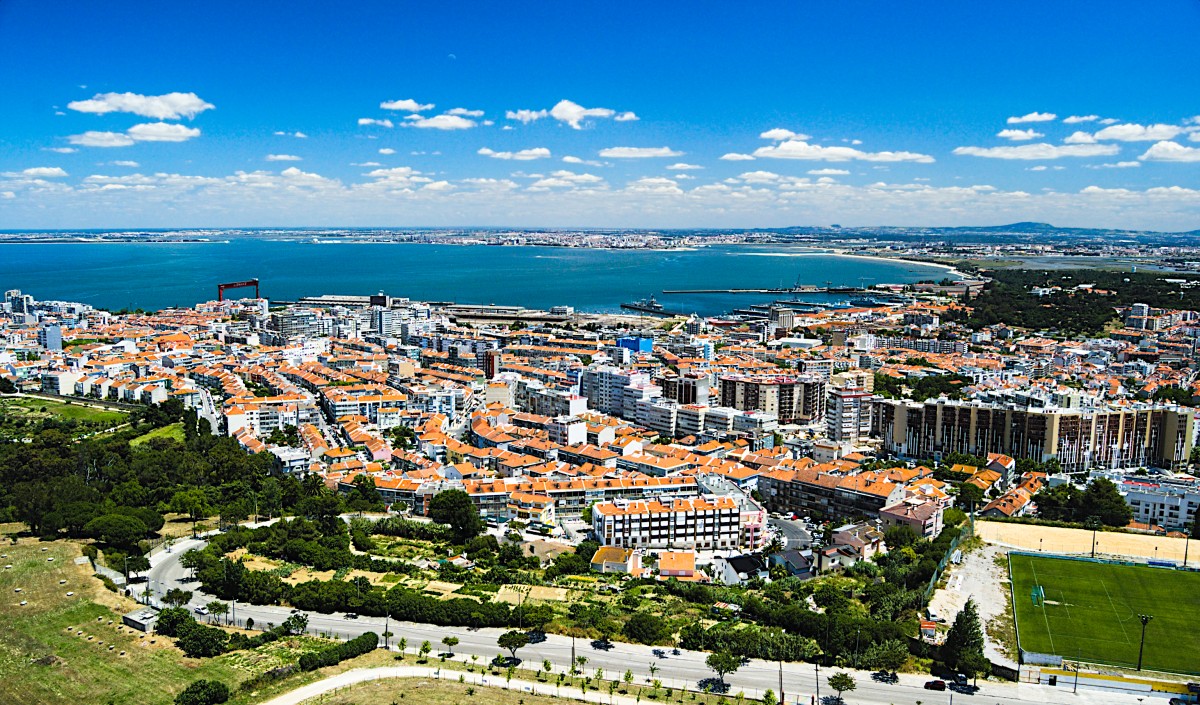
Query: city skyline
730	117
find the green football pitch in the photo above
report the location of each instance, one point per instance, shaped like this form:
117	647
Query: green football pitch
1090	612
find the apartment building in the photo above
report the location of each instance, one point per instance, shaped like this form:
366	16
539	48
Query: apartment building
799	399
705	522
848	415
823	491
1081	438
603	387
1171	504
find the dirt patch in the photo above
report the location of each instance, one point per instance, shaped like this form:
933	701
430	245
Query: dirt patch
1053	539
375	578
982	577
305	574
512	594
442	587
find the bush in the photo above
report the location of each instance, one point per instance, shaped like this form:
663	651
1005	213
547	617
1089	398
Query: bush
203	692
334	655
199	641
173	621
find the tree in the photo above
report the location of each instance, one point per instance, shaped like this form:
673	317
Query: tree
136	563
200	641
723	663
454	508
1104	500
900	536
886	656
117	530
644	628
627	678
426	647
192	502
177	597
842	683
450	642
969	495
511	641
401	644
768	697
963	650
203	692
217	608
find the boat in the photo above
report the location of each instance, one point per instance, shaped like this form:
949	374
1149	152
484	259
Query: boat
650	306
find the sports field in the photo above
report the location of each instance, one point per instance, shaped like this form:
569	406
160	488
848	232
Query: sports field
1090	612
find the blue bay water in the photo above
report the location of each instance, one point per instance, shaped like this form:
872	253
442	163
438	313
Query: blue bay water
158	275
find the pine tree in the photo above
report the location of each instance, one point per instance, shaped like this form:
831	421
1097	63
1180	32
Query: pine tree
963	650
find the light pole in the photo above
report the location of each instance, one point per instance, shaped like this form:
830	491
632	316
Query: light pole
818	667
1145	618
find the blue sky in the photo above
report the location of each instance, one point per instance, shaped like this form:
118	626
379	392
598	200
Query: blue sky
599	114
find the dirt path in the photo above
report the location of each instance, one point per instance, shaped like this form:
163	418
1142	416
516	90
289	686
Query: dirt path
978	577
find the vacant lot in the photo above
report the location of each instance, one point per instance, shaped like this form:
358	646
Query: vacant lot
21	417
174	432
1091	612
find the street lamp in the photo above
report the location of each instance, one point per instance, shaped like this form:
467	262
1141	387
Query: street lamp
1145	618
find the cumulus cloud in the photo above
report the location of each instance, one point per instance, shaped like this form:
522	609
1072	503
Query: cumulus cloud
283	158
1074	119
829	172
162	132
464	112
566	179
169	106
61	150
297	134
1019	135
1032	117
1114	165
1132	132
570	159
92	138
574	114
1170	152
627	116
1080	137
639	152
1040	150
126	163
439	122
681	166
735	157
799	149
44	172
521	155
373	121
387	150
7	194
779	134
407	105
526	116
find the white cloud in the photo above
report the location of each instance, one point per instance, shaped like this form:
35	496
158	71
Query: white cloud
1040	150
44	172
1032	117
758	177
439	122
283	158
1080	137
657	185
373	121
365	164
61	150
438	186
574	114
526	116
639	152
407	105
464	112
297	134
1073	119
1109	121
1019	135
521	155
799	149
735	157
387	150
566	179
626	116
1114	165
569	159
1132	132
7	194
829	172
1039	167
779	134
170	106
92	138
1171	152
126	163
681	166
162	132
1194	137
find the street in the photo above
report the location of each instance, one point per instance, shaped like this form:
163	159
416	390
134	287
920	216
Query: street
685	669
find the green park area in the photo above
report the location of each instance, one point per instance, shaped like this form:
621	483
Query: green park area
23	417
1090	612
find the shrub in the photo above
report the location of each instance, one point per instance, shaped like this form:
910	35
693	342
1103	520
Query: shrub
203	692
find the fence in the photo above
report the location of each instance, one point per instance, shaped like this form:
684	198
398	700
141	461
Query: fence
966	532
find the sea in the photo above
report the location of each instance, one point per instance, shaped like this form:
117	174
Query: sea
151	276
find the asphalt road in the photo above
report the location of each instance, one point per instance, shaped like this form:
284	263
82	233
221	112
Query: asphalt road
683	669
793	533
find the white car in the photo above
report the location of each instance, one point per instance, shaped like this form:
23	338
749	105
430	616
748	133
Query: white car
201	610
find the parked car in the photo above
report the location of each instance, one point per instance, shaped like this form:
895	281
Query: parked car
351	615
960	679
935	685
201	610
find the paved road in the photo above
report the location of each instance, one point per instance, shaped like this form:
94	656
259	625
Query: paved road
793	532
685	669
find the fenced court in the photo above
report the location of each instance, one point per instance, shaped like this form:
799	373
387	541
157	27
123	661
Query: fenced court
1088	610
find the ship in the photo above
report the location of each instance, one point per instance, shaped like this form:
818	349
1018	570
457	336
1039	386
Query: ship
650	306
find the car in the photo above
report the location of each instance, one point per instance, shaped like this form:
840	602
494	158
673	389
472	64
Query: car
935	685
351	615
201	610
960	679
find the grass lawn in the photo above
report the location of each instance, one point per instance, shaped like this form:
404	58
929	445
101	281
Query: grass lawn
1091	609
174	431
45	661
22	416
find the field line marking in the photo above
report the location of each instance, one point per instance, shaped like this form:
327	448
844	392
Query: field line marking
1049	633
1114	609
